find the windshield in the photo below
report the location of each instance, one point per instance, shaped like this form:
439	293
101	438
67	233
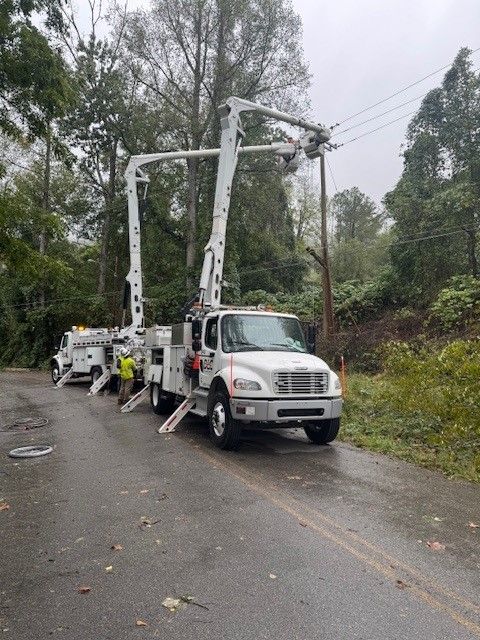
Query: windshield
262	333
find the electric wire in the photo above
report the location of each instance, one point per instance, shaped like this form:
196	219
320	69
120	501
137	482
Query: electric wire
367	133
396	93
384	113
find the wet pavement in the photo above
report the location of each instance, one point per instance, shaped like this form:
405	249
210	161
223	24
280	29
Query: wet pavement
280	540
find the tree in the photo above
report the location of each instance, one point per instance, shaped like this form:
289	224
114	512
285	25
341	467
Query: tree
34	82
436	203
192	54
355	215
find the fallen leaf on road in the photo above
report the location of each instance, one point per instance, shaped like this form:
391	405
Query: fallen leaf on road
172	604
116	547
302	524
84	589
437	519
124	493
272	576
294	478
435	546
4	506
109	569
140	623
472	525
79	540
400	584
145	491
163	497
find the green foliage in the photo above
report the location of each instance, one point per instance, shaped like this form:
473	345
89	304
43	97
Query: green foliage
458	304
423	408
436	203
356	302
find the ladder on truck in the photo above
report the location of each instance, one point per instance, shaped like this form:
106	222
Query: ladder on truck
64	378
180	412
100	383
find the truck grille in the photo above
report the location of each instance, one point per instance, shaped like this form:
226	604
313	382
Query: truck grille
300	383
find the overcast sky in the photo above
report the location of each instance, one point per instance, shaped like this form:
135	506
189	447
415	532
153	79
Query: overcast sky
363	51
360	52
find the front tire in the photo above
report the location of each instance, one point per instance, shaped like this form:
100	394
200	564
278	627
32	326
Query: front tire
323	432
162	401
55	371
225	432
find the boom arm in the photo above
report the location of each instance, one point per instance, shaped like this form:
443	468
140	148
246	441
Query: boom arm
134	176
231	139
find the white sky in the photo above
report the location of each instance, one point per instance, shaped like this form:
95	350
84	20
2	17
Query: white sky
361	51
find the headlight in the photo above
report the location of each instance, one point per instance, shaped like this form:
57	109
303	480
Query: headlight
337	384
246	385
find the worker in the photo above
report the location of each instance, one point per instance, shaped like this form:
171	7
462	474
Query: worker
128	369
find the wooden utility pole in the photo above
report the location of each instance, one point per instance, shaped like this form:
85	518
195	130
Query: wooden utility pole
323	259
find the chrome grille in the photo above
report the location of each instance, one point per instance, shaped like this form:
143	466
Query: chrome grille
300	383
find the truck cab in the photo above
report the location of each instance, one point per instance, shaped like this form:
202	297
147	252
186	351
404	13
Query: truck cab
257	370
62	360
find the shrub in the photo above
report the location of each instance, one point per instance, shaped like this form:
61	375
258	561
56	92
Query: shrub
456	305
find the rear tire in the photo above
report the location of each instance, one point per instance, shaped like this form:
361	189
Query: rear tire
323	432
225	432
162	401
95	374
55	371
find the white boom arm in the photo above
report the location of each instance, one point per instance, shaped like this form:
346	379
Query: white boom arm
134	176
231	139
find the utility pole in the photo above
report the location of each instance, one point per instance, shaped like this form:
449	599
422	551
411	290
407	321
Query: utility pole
323	259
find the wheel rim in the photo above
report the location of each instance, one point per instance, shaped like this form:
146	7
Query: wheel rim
55	374
155	395
219	419
95	376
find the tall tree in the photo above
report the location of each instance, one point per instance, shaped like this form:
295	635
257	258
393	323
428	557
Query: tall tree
355	215
193	54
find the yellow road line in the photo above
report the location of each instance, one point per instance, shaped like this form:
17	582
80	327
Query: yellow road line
274	496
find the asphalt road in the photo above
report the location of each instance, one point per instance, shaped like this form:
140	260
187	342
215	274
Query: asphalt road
281	540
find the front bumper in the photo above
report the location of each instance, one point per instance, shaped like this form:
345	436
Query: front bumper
285	411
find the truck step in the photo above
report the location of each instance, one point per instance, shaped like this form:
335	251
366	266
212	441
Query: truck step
137	398
100	383
200	392
64	378
178	414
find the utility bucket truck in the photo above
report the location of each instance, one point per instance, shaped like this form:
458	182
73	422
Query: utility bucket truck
237	367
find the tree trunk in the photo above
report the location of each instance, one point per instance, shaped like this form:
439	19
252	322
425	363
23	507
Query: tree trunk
109	200
471	252
42	241
192	178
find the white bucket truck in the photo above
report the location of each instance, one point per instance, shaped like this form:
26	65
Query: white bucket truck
235	366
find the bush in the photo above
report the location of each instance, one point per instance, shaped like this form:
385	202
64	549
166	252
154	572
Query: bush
458	304
424	407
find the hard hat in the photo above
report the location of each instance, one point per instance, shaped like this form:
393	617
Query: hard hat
124	351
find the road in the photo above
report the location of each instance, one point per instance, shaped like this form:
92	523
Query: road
280	540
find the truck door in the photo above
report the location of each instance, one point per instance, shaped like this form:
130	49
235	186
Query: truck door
66	348
208	359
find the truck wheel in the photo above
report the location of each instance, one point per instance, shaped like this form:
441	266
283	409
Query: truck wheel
324	431
95	374
225	432
55	373
162	401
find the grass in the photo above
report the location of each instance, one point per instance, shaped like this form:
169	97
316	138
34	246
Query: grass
374	419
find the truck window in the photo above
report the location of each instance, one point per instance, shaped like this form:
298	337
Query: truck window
211	334
266	332
64	342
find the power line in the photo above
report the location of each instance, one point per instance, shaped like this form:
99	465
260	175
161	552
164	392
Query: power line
384	113
367	133
413	84
331	173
